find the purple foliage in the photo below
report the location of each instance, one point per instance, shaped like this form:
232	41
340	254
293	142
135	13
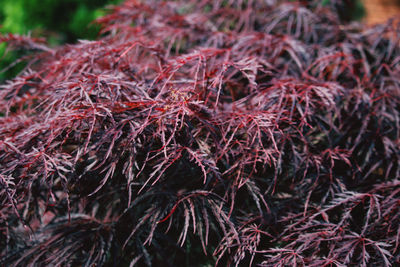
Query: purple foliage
205	132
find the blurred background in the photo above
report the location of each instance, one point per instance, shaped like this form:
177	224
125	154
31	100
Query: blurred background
378	11
58	21
65	21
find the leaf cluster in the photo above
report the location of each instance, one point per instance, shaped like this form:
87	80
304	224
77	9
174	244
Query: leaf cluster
196	132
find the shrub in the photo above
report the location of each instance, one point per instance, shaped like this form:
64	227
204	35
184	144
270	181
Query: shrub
196	133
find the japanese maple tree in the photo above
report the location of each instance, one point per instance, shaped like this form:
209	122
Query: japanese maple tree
197	133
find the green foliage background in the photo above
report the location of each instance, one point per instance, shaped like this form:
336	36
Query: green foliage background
59	21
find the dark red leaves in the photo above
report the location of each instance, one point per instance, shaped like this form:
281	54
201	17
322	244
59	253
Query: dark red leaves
205	132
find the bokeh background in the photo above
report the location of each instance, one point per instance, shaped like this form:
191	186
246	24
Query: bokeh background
59	21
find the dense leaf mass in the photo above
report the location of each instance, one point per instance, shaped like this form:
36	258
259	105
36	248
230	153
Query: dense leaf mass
194	133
